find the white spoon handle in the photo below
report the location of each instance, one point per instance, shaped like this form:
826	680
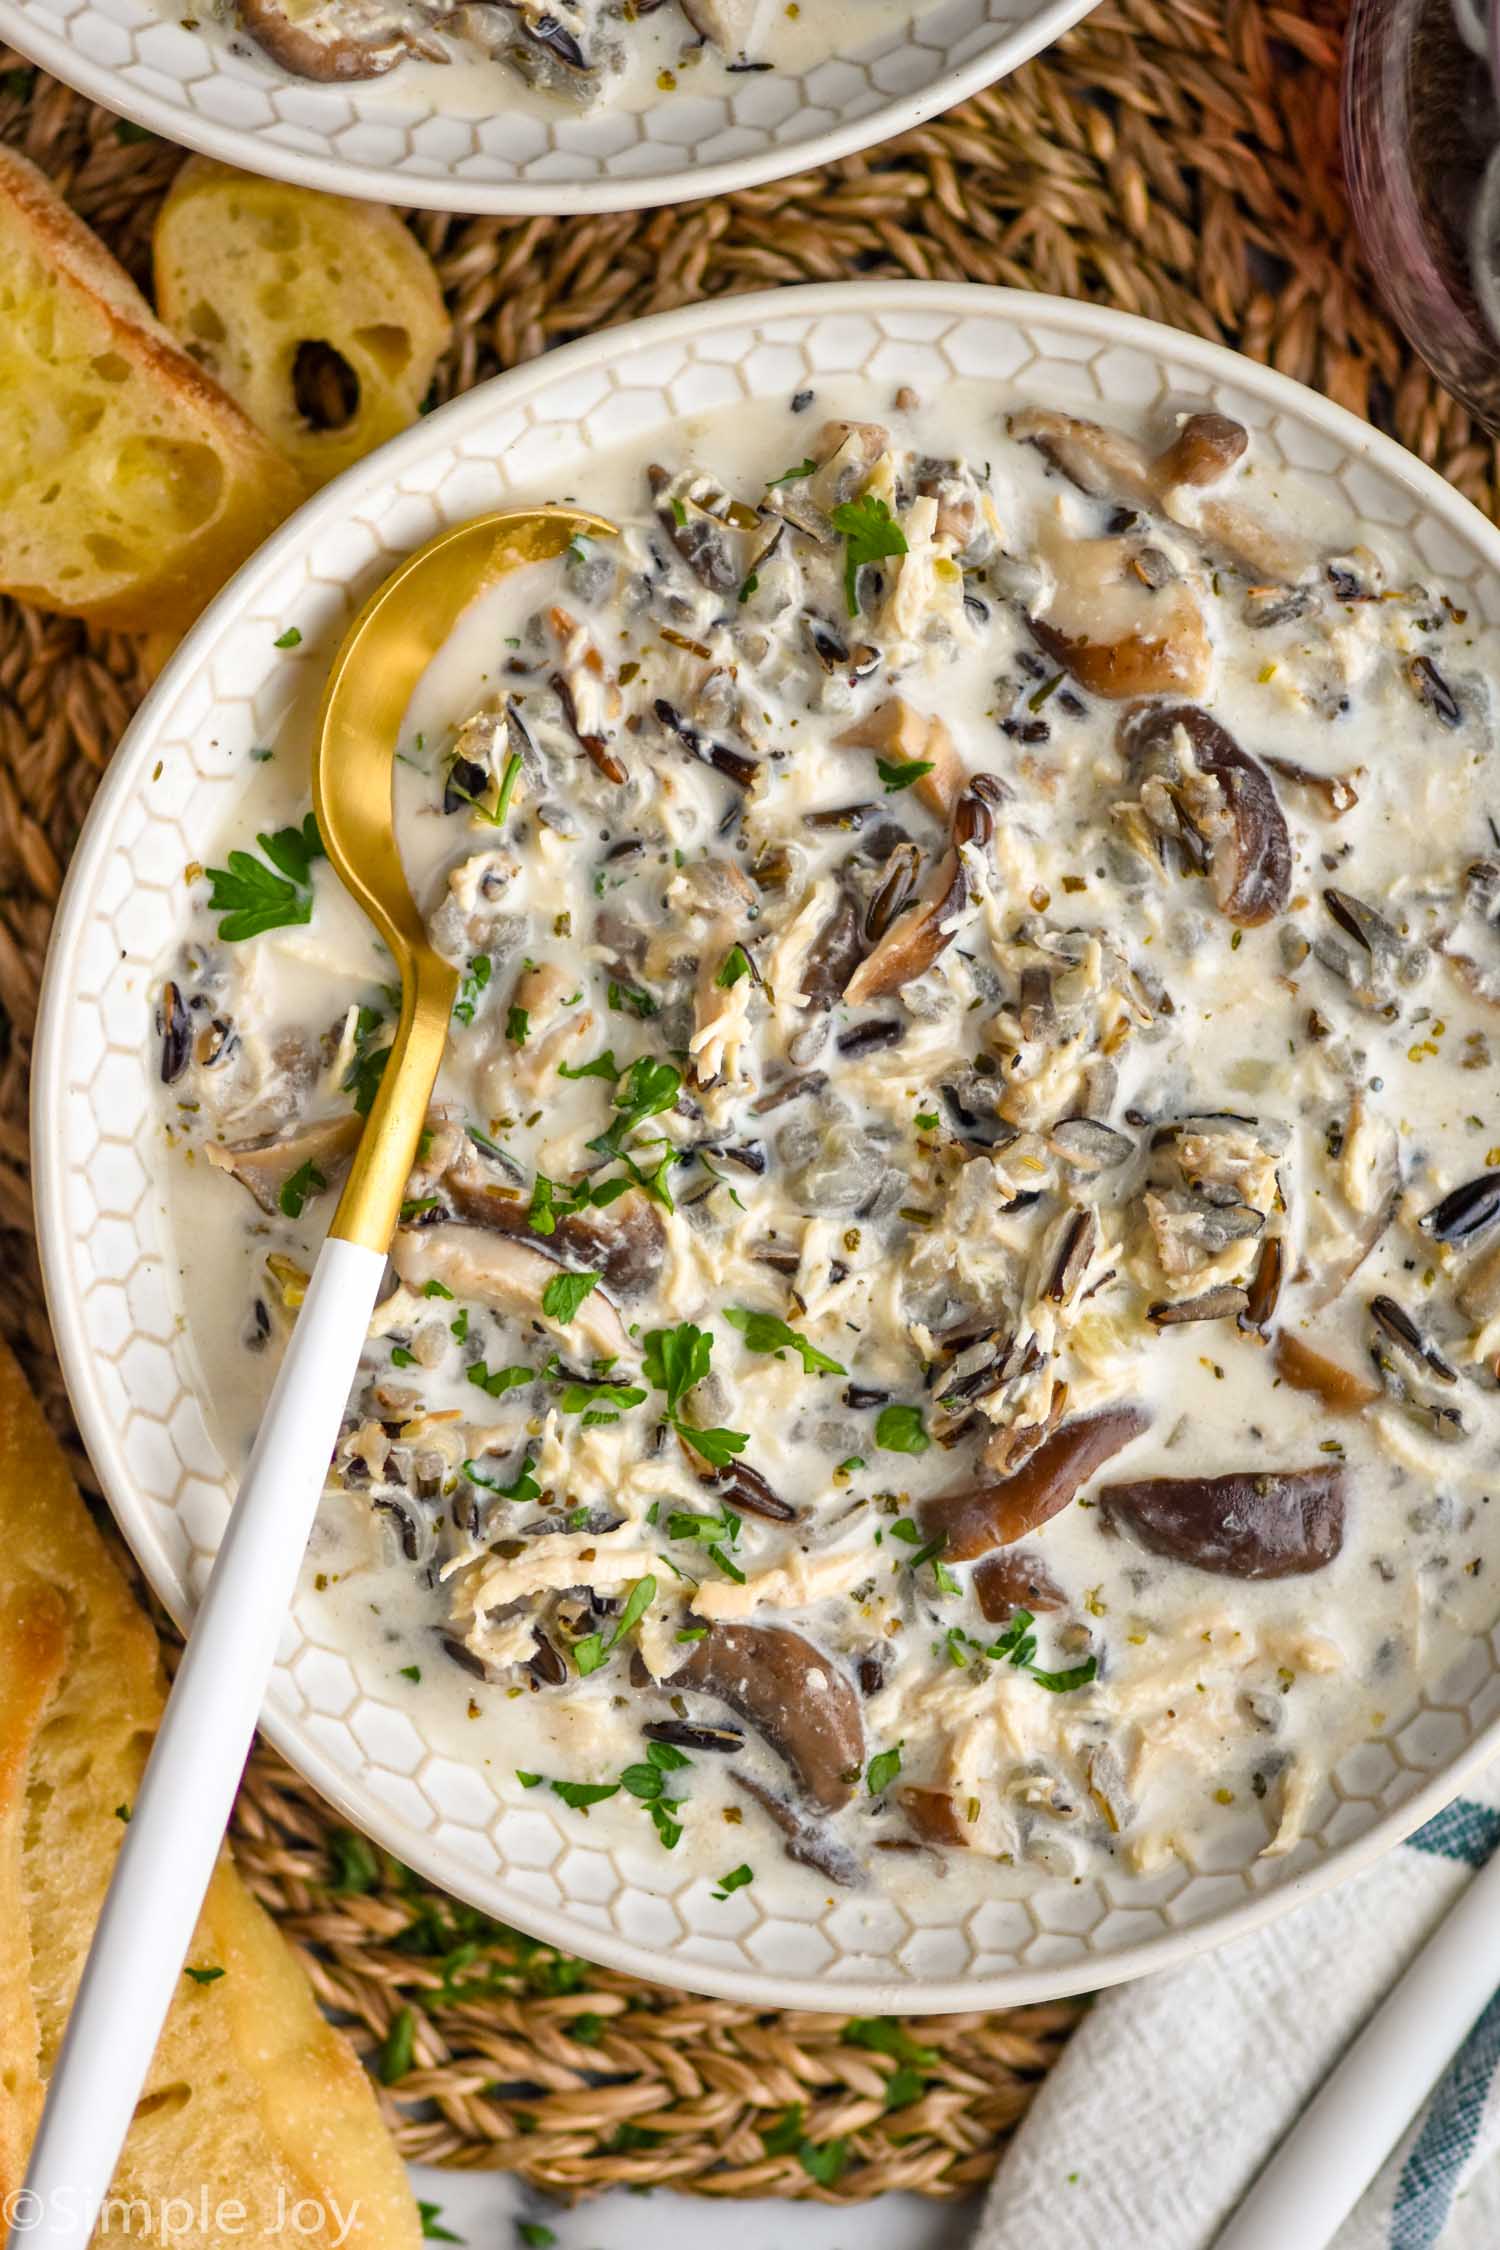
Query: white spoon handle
177	1823
1359	2113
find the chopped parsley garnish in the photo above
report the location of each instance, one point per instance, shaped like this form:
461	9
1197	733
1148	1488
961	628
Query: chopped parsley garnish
411	1671
888	2035
355	1867
593	1649
522	1487
362	1079
565	1292
869	532
401	1357
735	1880
749	587
629	999
736	964
551	1201
884	1768
305	1181
649	1087
900	773
792	476
900	1429
508	780
253	897
500	1380
581	1794
599	1401
430	2215
517	1025
436	1289
400	2049
528	1780
535	2235
765	1332
475	980
602	1066
204	1976
675	1360
1017	1645
291	638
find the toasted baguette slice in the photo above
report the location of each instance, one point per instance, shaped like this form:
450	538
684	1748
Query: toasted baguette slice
272	286
253	2098
131	486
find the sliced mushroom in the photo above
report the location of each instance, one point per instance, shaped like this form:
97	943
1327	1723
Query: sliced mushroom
906	736
1109	465
915	939
1224	795
976	1517
1120	635
264	1167
486	1268
1340	1389
334	40
794	1696
1337	790
1277	1523
1013	1578
625	1240
808	1842
933	1815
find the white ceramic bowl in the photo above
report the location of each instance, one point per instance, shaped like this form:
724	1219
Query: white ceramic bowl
99	1157
465	141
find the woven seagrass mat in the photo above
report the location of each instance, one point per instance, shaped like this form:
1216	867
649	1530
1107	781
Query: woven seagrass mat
1179	161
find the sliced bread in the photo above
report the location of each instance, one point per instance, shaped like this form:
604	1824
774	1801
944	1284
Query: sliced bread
253	2099
321	316
131	485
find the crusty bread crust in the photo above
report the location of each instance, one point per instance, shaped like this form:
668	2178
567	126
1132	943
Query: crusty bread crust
154	388
252	2097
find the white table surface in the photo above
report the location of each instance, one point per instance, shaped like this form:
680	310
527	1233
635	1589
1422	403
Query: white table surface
484	2207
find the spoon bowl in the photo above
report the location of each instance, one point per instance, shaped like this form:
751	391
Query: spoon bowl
370	685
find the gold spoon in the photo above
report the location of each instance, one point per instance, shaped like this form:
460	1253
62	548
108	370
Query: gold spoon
182	1808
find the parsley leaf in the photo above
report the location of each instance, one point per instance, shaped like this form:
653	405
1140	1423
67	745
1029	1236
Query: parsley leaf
204	1976
602	1066
869	531
253	897
362	1078
581	1794
888	2035
522	1487
565	1292
430	2214
355	1867
676	1359
764	1332
305	1181
900	773
400	2049
824	2161
883	1770
649	1088
782	2138
502	1380
717	1447
792	476
593	1649
517	1025
735	1880
736	964
477	977
899	1429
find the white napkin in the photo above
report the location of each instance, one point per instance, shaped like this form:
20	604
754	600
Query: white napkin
1174	2091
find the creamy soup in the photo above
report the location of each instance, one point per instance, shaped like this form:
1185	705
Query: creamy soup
947	1311
616	54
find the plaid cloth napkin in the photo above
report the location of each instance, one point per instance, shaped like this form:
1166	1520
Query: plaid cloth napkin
1174	2091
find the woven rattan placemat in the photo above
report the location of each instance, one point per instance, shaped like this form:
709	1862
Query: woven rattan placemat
1178	160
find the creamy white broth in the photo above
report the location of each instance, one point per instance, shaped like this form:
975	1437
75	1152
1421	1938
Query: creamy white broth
1158	1703
590	55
